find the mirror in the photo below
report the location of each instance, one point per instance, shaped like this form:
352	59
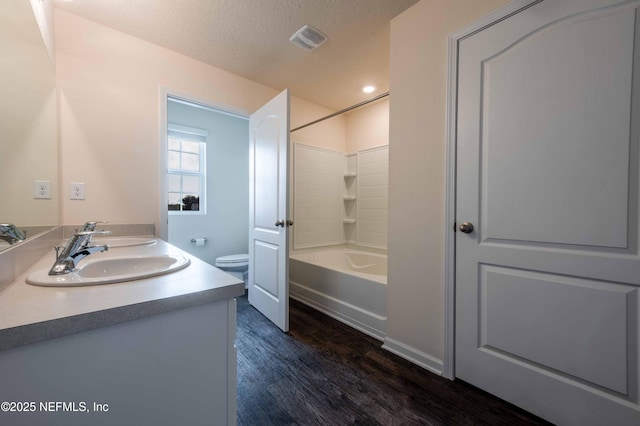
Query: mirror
28	127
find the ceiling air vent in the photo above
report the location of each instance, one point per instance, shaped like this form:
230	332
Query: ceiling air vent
308	38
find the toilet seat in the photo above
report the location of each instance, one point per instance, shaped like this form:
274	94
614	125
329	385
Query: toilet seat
236	265
233	260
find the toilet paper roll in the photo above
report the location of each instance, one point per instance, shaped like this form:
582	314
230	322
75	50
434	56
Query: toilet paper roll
200	242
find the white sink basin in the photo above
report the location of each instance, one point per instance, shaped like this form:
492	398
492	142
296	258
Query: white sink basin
115	242
111	270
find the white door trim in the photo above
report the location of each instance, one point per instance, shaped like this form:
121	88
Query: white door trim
516	6
163	225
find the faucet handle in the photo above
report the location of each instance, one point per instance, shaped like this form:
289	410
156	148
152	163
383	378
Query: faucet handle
85	236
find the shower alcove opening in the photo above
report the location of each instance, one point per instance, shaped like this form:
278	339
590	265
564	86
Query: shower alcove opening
338	264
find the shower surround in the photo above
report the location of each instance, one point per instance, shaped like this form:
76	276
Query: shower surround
339	262
340	198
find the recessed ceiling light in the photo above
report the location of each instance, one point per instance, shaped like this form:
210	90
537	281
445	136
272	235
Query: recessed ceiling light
368	89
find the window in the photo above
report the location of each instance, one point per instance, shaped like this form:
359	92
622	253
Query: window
186	169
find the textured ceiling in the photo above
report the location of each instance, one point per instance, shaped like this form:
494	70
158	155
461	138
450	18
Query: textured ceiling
251	38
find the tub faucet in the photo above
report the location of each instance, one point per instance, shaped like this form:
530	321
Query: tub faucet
89	226
78	247
10	233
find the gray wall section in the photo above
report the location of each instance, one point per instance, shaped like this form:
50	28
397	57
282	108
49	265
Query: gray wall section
226	224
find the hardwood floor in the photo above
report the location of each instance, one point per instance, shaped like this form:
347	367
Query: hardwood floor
324	372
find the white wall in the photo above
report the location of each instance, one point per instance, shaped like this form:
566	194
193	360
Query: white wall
329	134
415	294
29	145
43	11
363	128
109	96
368	126
109	88
225	224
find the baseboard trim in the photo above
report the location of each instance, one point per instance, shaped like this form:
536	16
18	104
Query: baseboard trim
413	355
353	316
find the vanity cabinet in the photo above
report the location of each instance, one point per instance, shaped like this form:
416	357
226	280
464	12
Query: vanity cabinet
174	368
155	351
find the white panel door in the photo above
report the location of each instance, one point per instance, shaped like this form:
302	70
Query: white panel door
547	173
268	217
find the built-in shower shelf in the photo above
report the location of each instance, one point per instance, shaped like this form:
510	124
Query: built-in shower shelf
349	221
349	197
350	175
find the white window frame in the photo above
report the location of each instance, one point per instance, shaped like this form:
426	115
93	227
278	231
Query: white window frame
192	134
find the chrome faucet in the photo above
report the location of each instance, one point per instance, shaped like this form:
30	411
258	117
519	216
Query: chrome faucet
10	233
77	248
89	226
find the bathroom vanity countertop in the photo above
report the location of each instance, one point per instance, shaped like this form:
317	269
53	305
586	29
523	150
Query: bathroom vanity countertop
30	314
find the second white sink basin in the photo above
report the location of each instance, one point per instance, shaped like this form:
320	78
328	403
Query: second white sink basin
111	270
115	242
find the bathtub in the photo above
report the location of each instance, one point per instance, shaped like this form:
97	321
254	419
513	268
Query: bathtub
347	284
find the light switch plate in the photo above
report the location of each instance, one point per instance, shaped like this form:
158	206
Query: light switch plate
76	191
42	189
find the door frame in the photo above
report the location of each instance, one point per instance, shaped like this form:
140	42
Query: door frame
512	8
164	94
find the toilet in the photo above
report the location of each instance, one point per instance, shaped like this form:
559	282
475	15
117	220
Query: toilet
236	265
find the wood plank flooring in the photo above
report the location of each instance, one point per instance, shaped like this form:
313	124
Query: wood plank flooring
325	373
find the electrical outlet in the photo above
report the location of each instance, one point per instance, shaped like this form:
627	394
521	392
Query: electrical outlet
76	191
42	189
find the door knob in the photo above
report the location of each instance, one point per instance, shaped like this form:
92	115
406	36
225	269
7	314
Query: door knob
289	222
466	227
280	223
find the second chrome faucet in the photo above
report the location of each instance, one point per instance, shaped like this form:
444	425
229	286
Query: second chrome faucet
77	248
